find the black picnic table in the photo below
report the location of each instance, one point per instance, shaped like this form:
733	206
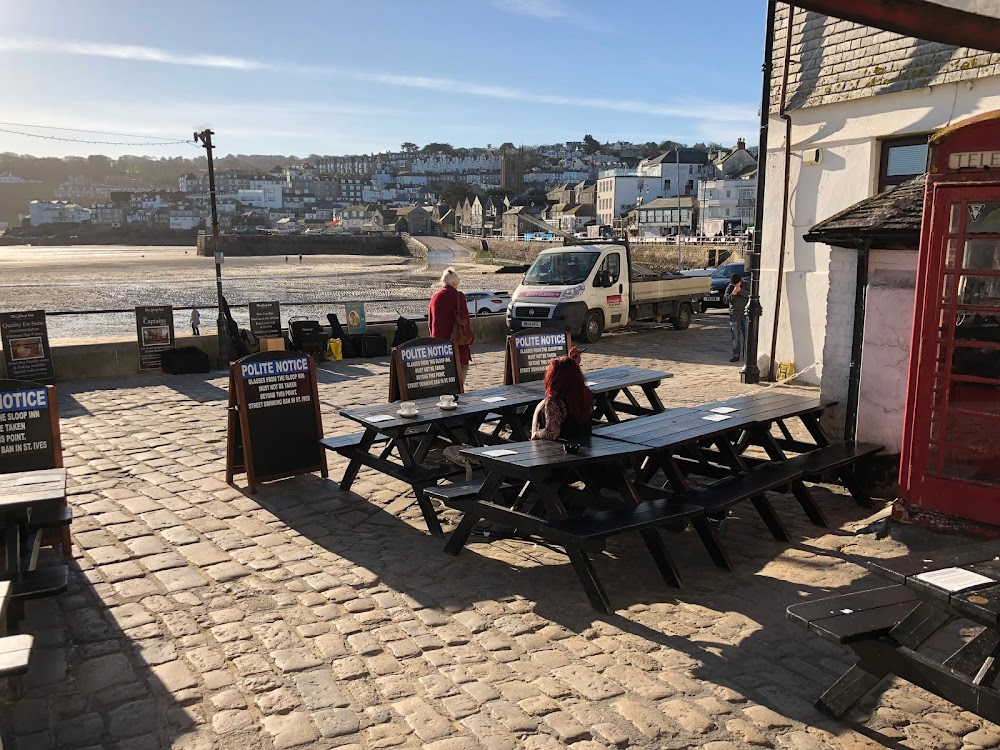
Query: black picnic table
411	438
887	626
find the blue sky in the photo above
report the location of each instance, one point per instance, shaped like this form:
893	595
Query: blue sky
341	77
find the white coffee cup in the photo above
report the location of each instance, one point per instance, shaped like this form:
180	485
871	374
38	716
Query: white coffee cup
408	407
447	400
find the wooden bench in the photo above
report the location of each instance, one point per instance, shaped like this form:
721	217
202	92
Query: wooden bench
452	494
15	650
839	457
33	584
859	616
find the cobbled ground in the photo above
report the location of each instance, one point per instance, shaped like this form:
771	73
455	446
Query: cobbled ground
200	616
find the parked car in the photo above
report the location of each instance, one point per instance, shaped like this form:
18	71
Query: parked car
720	280
487	303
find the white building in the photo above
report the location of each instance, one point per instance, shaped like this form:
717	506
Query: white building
444	164
619	190
862	104
267	196
9	179
672	173
665	217
725	206
56	212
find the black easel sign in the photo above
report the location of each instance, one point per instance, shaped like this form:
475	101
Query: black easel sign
29	427
154	327
265	320
529	353
422	368
25	340
274	418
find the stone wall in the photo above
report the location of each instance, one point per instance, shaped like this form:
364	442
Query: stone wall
327	244
834	60
661	257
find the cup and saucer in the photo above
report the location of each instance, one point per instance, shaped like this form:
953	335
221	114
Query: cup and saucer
446	403
407	409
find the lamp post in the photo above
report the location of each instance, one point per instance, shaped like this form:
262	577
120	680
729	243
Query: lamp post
205	137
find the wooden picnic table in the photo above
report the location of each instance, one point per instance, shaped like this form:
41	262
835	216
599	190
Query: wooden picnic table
887	626
21	494
508	406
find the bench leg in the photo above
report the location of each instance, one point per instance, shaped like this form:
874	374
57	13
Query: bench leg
838	701
427	509
774	524
588	579
858	492
809	505
710	538
654	543
461	533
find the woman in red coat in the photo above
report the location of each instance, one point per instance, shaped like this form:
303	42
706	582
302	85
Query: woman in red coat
446	303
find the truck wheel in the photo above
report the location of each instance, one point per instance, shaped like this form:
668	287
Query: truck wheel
683	319
593	327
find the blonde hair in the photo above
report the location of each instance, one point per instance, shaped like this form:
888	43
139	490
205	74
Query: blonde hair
450	277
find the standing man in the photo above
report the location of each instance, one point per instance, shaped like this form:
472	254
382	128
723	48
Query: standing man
195	321
737	297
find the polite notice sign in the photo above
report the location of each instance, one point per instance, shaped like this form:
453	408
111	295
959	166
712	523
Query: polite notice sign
274	418
529	353
422	368
155	331
25	340
265	320
29	427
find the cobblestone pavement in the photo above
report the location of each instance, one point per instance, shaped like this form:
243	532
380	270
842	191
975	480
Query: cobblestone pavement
201	617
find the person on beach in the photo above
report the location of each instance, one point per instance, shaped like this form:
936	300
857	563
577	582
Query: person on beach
445	306
566	410
195	321
737	296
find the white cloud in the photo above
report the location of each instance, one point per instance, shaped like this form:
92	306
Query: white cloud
535	8
689	109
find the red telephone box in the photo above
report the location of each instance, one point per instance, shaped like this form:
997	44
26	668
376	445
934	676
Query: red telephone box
950	464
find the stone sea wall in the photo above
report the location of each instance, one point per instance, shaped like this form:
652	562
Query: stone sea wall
325	244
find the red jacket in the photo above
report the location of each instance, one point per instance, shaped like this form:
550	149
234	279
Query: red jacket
446	302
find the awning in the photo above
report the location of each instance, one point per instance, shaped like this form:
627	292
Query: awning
962	23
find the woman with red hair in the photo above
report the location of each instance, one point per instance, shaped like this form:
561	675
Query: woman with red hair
568	407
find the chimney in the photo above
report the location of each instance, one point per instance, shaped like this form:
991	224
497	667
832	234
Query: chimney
741	144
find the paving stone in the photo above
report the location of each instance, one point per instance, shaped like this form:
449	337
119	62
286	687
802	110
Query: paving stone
279	701
227	722
336	722
320	689
568	728
229	699
588	683
96	674
650	722
156	651
134	718
173	676
293	730
80	731
425	722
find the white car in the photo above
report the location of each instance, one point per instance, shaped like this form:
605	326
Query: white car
487	303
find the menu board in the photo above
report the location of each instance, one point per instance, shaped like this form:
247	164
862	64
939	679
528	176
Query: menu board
422	368
529	353
265	320
154	328
25	340
274	418
29	427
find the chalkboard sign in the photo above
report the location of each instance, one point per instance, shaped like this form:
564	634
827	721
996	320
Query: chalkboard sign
274	418
529	353
154	327
29	427
422	368
25	340
265	320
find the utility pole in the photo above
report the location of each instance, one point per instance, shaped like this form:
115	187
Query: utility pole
680	261
205	138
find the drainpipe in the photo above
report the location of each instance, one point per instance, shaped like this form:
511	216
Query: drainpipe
750	372
783	114
857	344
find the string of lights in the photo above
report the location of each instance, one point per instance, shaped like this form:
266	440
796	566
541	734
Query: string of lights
160	142
81	130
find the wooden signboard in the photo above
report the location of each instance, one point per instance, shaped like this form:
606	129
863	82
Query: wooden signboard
25	340
422	368
529	353
274	418
265	320
29	427
154	327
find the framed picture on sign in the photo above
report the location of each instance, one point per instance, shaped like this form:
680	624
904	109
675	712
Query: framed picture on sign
355	318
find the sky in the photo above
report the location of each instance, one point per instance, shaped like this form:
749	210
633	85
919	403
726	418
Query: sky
338	77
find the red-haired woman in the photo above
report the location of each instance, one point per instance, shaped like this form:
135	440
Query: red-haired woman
568	406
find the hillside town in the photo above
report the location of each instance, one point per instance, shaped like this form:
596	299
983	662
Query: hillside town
567	188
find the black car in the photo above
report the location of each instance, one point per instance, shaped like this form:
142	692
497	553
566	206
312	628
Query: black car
720	280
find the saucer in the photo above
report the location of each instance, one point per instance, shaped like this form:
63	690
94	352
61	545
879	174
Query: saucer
408	413
446	407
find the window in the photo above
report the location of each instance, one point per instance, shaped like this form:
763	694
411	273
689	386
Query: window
613	265
901	159
666	184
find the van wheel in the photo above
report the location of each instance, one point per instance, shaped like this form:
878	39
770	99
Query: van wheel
683	319
593	327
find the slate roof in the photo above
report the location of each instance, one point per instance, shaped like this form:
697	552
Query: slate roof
687	156
889	220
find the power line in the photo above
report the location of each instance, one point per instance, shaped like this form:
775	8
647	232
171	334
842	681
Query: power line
92	132
97	143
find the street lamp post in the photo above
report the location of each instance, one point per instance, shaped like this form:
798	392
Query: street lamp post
205	137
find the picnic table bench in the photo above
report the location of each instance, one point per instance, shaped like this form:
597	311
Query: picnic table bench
887	626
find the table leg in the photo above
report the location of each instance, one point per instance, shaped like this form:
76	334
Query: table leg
471	517
710	538
606	406
12	540
549	494
811	421
654	542
912	632
799	490
351	473
858	492
649	389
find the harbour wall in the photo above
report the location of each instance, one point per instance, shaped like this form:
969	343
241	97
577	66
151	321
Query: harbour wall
296	244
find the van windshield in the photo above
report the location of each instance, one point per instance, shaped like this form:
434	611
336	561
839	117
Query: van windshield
727	271
561	268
